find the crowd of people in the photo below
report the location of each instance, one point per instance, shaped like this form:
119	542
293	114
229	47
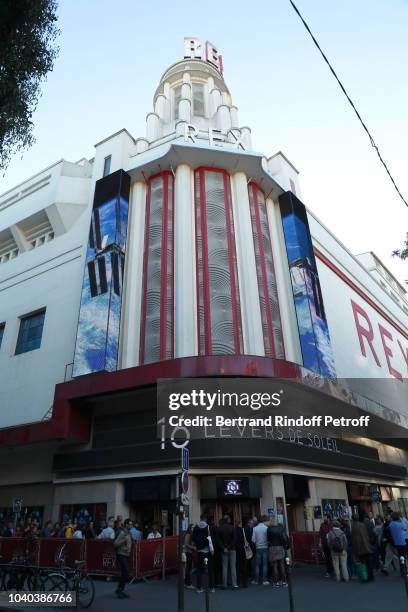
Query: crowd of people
252	553
71	528
367	545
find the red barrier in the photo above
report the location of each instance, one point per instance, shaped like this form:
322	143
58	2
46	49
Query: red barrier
150	556
68	550
306	547
146	557
14	550
101	558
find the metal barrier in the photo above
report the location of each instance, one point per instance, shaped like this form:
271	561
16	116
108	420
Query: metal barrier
146	558
150	556
306	547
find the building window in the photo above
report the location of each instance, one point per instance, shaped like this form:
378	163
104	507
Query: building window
198	100
157	335
268	294
219	319
30	334
2	328
177	98
107	165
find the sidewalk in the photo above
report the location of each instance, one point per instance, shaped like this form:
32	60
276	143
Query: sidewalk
312	593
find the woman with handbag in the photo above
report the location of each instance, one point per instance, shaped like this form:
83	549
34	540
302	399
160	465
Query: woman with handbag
202	539
244	556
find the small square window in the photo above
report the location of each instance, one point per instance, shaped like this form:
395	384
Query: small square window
107	165
2	328
30	333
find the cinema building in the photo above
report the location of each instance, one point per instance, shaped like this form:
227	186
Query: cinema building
187	253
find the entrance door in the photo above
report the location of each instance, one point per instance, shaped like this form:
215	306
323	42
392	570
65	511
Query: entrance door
239	512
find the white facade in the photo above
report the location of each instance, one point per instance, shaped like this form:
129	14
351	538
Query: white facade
194	123
44	227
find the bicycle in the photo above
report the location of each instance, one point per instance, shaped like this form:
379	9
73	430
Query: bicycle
77	580
20	575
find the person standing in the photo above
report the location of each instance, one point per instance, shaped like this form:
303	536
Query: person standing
108	533
337	543
278	542
399	534
260	539
388	552
90	533
241	546
123	547
226	538
188	549
136	532
200	538
155	533
361	544
351	564
325	527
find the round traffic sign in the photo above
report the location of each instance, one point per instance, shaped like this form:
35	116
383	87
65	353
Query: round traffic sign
184	482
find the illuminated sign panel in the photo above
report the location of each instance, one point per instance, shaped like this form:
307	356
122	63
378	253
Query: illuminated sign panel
195	49
311	317
97	340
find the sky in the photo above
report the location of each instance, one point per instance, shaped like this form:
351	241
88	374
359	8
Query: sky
112	55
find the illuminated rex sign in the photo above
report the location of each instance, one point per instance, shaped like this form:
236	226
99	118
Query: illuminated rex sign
195	49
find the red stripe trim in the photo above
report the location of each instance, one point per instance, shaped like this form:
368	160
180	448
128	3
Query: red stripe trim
172	266
355	288
196	207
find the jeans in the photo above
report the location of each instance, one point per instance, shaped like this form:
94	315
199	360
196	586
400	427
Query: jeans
229	557
261	558
189	567
340	560
124	571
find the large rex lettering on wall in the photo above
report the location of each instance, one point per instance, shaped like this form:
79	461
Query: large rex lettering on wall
97	341
368	343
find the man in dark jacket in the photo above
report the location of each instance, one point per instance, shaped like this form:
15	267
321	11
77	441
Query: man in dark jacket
200	535
325	527
123	547
226	539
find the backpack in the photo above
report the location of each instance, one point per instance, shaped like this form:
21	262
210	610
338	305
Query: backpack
338	543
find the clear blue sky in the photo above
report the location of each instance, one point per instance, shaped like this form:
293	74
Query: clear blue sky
112	55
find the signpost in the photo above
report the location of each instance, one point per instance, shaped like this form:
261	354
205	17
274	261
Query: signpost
183	500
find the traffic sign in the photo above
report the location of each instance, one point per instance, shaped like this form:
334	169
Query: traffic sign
184	482
185	459
185	499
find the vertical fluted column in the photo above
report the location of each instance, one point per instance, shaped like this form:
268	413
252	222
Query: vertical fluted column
248	283
160	106
142	144
215	100
185	304
184	113
247	139
153	126
290	330
133	277
234	116
223	118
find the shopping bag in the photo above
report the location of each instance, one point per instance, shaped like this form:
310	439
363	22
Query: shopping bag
361	569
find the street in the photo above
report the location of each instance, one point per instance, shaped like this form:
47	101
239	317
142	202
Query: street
312	593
